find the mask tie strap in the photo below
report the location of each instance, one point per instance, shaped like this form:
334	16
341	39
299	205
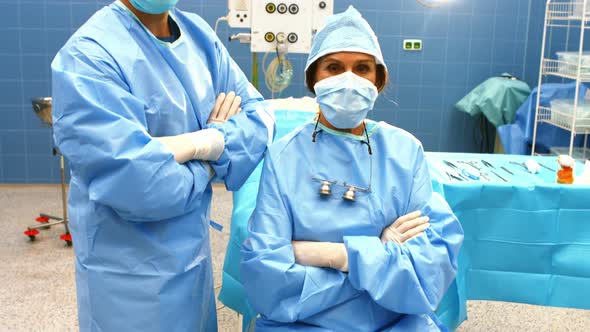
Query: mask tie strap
315	129
368	142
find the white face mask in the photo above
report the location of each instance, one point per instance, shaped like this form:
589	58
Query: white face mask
345	99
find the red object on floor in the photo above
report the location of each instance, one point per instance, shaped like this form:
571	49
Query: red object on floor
66	237
42	219
31	232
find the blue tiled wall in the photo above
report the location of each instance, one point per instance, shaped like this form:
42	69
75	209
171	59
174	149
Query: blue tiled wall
465	42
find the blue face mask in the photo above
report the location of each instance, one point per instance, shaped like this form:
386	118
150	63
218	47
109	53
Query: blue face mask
345	99
154	6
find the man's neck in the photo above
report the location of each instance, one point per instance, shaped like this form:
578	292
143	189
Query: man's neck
156	23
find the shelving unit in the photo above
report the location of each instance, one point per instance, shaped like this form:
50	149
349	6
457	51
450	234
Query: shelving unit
566	14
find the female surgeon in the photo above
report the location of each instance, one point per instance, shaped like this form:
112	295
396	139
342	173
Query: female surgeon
135	113
347	234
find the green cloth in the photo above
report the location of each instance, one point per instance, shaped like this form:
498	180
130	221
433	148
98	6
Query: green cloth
497	98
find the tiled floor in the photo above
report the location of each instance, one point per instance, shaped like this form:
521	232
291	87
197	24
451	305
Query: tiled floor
37	291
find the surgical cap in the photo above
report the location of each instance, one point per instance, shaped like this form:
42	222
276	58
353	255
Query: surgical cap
345	32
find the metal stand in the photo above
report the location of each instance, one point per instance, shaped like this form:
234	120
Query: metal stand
568	115
42	107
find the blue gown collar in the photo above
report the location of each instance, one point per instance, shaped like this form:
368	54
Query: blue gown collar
177	42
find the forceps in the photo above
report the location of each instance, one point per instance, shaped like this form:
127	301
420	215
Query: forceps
487	164
471	163
457	169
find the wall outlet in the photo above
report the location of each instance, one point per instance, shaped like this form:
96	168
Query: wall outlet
239	13
412	45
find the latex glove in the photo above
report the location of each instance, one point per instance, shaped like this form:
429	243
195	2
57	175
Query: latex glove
206	145
225	107
181	146
405	228
321	254
209	144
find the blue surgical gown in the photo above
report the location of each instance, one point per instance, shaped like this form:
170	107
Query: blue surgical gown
388	287
139	220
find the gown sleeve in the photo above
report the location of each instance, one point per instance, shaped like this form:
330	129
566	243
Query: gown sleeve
100	127
278	287
246	134
411	278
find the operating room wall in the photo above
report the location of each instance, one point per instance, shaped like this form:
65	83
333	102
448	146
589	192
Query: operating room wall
534	42
465	42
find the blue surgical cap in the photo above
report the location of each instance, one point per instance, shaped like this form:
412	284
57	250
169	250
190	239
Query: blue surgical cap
345	32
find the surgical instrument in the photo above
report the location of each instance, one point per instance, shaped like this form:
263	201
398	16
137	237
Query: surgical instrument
453	176
469	174
487	164
485	176
458	173
506	170
498	175
552	170
450	164
471	163
520	164
530	165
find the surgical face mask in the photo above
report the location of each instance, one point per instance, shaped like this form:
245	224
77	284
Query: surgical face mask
154	6
345	99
